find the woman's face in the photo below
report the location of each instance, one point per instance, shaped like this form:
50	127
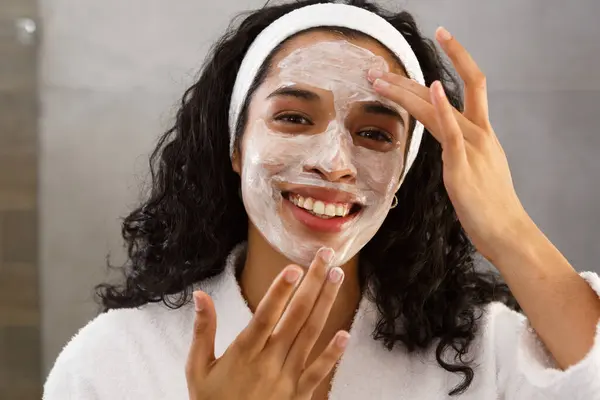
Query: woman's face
322	153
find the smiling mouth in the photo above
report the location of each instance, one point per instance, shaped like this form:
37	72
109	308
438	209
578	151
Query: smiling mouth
322	209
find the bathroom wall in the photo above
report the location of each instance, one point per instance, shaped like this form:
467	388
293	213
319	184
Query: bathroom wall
19	300
112	71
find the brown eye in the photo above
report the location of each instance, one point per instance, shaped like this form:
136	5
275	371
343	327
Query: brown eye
376	135
295	119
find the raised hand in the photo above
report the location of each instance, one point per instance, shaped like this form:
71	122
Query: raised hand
268	360
476	172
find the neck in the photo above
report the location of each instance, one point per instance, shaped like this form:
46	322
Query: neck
263	264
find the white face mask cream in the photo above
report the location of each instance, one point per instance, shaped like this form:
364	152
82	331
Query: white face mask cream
326	180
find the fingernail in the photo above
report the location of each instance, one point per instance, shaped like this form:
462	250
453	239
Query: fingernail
198	302
342	340
443	33
375	73
292	275
336	274
326	254
380	83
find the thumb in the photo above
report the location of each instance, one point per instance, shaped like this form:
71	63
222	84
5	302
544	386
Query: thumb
202	350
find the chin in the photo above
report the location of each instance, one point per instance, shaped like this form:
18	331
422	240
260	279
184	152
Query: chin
300	243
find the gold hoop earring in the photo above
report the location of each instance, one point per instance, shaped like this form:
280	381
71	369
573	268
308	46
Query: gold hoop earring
394	202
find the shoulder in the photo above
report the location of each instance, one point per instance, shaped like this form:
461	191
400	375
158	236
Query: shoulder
498	316
124	328
110	349
501	327
499	338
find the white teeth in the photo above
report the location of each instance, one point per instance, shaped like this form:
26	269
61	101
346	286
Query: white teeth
330	210
319	207
308	204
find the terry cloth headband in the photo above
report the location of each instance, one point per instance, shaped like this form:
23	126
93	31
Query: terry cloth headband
313	16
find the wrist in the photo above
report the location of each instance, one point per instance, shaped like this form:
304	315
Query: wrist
518	240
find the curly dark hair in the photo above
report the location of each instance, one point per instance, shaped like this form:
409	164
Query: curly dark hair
420	266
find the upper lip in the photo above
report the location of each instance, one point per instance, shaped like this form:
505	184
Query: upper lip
323	194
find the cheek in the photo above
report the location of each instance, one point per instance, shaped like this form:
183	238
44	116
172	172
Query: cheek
272	152
379	171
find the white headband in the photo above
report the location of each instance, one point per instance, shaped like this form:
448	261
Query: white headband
313	16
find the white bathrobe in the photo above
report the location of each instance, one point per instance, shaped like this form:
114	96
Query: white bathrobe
141	353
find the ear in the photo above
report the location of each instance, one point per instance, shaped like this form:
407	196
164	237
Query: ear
236	164
400	182
402	178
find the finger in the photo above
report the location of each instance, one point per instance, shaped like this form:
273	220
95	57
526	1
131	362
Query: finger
476	98
399	80
322	366
453	142
399	83
313	327
301	305
416	106
202	350
269	310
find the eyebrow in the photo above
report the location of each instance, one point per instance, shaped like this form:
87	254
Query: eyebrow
382	109
295	92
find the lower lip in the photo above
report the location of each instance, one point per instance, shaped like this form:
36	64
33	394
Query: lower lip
330	225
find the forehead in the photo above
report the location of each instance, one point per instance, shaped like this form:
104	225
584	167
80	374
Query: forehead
320	44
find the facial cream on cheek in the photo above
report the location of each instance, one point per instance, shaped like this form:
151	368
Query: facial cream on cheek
311	175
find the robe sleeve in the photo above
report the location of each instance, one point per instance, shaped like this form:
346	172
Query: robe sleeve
527	371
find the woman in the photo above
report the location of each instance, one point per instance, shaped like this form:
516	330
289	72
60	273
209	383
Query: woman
327	222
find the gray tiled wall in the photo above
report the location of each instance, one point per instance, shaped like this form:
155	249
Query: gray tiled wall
20	353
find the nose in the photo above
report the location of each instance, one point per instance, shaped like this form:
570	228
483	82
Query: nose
334	160
338	170
338	175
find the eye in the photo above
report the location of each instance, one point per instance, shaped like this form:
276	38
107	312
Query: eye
295	119
375	134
